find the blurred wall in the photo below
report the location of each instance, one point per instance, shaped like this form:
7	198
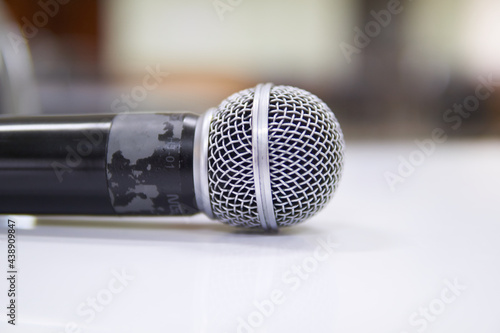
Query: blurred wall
255	40
401	83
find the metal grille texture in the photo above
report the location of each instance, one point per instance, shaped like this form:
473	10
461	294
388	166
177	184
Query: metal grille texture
305	154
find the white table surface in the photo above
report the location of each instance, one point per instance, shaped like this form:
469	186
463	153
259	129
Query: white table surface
394	254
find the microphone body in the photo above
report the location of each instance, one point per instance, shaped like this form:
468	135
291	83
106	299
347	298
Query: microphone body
133	164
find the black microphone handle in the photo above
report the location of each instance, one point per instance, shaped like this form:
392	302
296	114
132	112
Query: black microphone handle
125	164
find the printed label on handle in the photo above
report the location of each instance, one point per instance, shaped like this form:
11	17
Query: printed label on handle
144	164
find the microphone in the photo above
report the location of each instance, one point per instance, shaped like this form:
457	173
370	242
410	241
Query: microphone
266	157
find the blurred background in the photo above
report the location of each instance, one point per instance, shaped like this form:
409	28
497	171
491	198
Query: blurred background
391	71
388	69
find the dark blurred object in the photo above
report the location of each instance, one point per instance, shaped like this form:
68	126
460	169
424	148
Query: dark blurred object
18	93
63	35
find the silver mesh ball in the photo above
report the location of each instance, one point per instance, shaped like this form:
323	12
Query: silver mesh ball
305	155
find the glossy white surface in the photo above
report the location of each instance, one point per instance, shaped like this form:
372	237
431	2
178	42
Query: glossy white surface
392	254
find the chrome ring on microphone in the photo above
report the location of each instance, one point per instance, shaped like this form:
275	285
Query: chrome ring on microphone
200	163
260	148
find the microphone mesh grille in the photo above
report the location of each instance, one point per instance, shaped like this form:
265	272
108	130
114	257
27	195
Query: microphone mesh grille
305	155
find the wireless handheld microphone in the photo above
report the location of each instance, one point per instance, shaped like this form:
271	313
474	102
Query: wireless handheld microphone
267	157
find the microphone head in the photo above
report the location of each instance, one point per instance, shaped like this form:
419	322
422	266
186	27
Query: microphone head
274	157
